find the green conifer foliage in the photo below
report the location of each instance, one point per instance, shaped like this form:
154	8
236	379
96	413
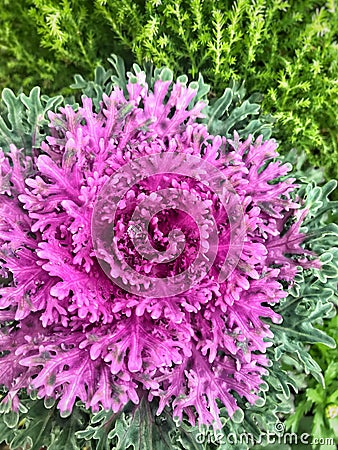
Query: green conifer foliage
46	42
285	49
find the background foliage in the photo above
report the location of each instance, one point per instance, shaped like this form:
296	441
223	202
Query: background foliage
44	43
285	49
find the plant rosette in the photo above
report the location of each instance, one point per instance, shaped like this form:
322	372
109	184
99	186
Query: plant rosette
145	260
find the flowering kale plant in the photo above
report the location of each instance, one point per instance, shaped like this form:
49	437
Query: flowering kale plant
144	258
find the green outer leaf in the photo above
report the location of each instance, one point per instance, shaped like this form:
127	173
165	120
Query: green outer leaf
39	427
24	119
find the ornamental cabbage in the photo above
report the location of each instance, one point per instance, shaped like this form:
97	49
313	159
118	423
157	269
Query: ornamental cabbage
71	331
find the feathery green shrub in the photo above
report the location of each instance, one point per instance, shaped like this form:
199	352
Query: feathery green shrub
46	43
282	48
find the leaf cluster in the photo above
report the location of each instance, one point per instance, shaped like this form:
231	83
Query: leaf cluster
320	402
